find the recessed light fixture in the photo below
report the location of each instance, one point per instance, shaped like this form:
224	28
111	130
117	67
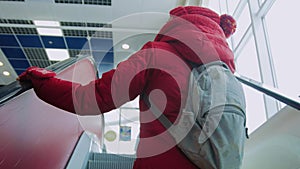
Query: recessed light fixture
46	23
6	73
1	63
125	46
57	54
48	28
50	31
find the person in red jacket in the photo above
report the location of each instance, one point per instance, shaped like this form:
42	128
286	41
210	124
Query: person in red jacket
160	70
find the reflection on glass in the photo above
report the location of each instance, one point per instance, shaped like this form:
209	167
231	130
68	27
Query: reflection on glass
232	5
243	23
214	5
223	7
261	2
247	65
255	108
284	38
122	129
247	62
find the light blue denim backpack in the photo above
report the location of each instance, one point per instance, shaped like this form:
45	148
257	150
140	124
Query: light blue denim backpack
211	131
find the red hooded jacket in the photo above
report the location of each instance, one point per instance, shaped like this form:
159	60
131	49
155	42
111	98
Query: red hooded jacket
161	70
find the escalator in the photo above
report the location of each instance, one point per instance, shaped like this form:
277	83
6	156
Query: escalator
37	135
112	161
276	143
89	155
34	134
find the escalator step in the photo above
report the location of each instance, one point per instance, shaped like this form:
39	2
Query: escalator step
112	157
109	165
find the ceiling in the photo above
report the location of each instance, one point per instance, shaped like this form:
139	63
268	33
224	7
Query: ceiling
89	27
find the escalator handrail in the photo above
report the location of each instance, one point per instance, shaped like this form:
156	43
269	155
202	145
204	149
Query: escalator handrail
270	91
14	89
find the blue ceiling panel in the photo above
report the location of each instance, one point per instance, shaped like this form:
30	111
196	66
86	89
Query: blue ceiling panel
101	44
19	71
103	67
98	56
14	53
20	63
8	40
103	57
54	42
30	41
77	43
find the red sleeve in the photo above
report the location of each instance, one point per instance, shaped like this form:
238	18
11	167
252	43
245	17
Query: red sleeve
115	88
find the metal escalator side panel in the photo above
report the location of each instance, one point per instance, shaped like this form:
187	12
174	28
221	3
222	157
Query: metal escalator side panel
34	134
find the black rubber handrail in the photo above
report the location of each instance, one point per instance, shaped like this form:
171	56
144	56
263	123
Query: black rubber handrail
270	91
14	89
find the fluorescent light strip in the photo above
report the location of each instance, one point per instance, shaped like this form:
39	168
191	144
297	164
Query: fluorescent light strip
47	23
50	31
48	28
57	54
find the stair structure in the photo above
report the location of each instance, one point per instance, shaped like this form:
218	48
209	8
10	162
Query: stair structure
111	161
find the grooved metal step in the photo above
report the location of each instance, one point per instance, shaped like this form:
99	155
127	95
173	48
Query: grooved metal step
109	165
110	161
112	157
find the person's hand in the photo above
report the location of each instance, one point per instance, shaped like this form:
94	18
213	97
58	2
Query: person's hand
25	78
35	72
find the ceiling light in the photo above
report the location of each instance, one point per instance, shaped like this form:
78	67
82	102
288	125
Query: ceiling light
50	31
46	23
125	46
6	73
57	54
1	63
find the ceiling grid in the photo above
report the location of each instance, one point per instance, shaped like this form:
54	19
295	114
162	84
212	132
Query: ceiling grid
14	0
88	27
85	2
25	47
